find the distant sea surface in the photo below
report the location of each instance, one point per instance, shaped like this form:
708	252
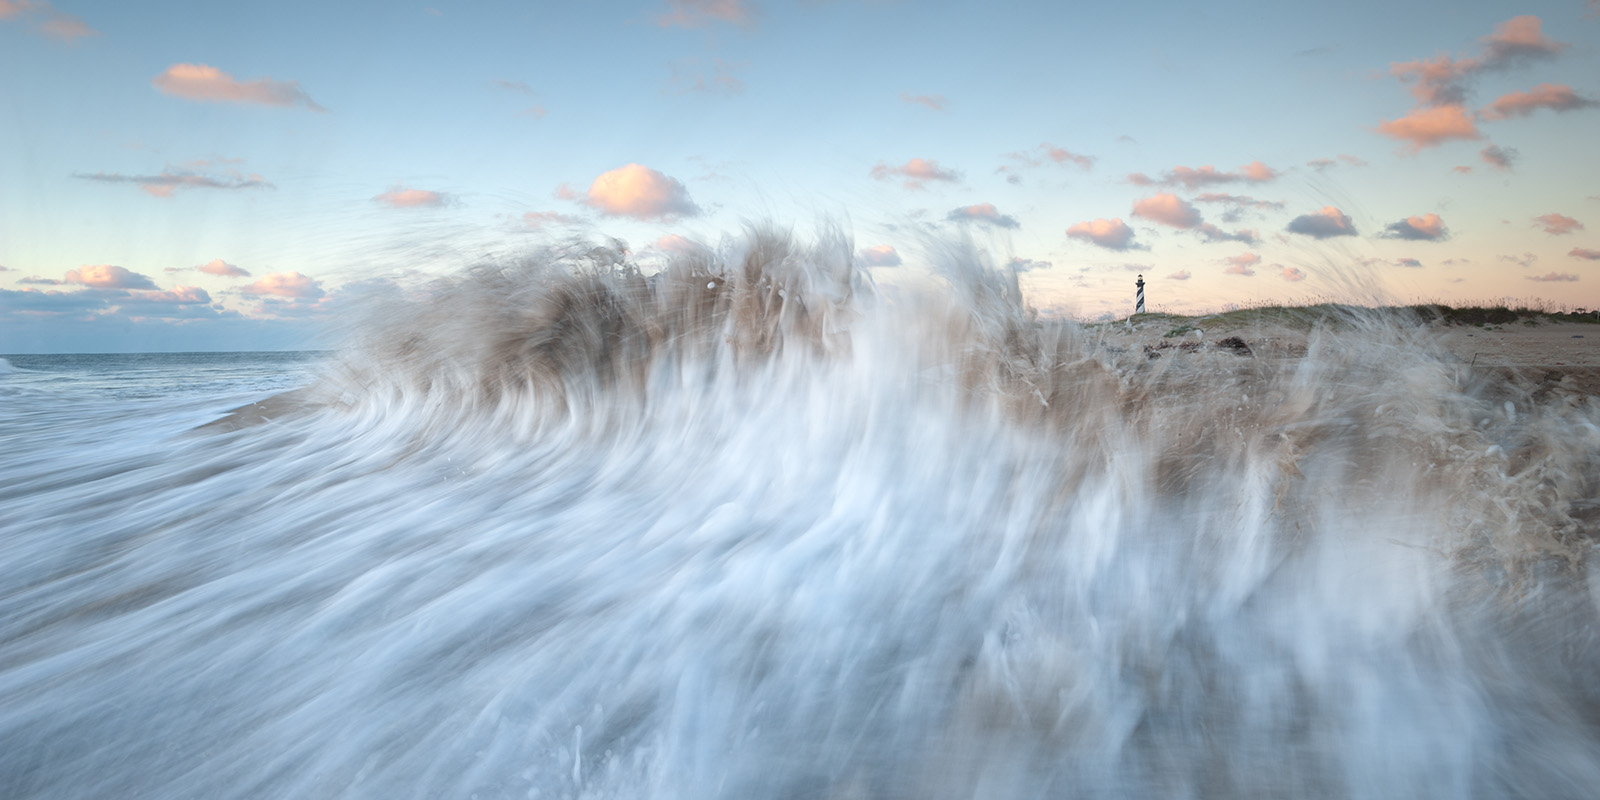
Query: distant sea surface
153	376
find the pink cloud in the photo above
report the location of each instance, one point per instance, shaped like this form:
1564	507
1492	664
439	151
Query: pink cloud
46	20
1440	86
170	181
1328	222
1167	209
107	276
1441	80
937	102
916	173
401	197
679	245
203	83
1241	264
1556	224
1462	169
1554	276
985	213
700	13
1257	172
1584	253
1180	275
880	256
1192	178
1047	152
1140	179
539	219
222	269
640	192
1061	155
292	285
66	28
1518	38
1291	274
1431	126
1554	96
1112	234
1438	79
1424	228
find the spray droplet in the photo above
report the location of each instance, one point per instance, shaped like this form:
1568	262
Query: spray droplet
577	755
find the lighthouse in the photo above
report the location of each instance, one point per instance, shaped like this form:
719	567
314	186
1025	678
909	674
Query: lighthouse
1138	301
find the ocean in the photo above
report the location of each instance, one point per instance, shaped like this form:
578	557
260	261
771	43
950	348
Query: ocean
141	377
754	526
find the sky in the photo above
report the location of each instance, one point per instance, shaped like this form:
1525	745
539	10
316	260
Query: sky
205	176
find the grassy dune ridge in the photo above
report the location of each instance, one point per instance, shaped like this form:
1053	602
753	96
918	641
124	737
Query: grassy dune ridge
1305	317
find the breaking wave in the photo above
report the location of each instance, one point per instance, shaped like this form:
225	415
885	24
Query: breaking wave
753	527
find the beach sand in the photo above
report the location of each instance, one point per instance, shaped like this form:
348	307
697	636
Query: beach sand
1549	353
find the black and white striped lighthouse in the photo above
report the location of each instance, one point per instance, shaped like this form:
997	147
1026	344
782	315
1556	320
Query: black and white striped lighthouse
1138	303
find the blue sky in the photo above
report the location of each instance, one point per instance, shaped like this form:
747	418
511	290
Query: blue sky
224	176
